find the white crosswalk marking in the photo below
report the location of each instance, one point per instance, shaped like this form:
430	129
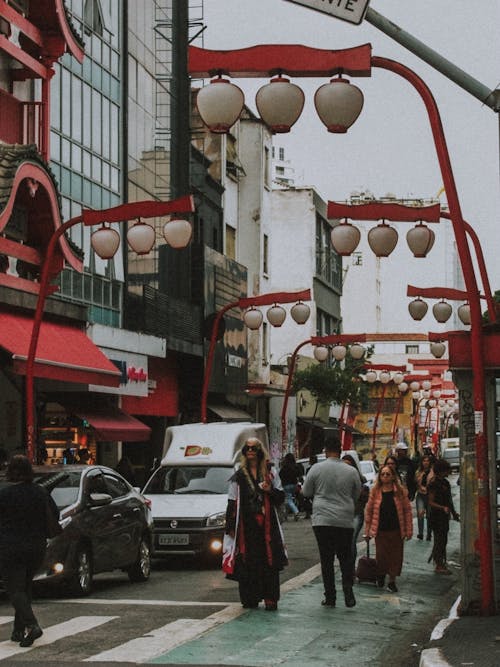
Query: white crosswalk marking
164	639
54	633
6	619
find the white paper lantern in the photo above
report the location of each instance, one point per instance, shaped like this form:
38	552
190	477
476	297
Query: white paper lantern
321	353
418	308
464	313
280	104
105	241
276	315
220	104
338	104
178	233
382	239
253	318
420	240
345	238
442	311
371	376
357	351
141	237
339	352
300	312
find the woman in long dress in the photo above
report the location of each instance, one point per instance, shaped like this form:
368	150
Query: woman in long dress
255	492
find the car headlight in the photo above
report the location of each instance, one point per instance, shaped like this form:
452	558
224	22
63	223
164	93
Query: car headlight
217	520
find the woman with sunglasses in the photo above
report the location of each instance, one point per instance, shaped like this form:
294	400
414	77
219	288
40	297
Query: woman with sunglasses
255	492
388	518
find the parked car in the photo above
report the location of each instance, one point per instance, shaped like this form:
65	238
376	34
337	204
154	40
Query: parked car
106	524
369	472
452	455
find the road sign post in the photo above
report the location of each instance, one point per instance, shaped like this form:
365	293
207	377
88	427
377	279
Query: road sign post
352	11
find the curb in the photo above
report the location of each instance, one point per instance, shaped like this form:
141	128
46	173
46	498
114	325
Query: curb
433	657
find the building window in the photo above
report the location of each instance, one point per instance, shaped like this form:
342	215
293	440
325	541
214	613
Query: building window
281	152
230	242
267	167
265	254
92	17
411	349
265	344
328	263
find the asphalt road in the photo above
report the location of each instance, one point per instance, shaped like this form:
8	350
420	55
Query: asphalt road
128	624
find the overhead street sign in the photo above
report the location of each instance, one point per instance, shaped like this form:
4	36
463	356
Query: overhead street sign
352	11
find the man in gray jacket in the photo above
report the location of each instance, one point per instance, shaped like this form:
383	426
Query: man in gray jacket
334	487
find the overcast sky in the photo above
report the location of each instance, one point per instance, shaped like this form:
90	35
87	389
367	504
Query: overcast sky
389	148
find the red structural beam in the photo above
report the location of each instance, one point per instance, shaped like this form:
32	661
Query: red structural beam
438	293
384	211
267	60
138	209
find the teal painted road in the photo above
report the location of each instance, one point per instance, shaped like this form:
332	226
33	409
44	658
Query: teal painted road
383	630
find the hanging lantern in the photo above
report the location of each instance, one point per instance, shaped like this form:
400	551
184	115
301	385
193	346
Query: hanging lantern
420	240
432	403
371	376
105	242
442	311
436	393
345	238
382	239
426	394
464	313
415	395
398	377
280	104
438	349
402	387
253	318
300	312
276	315
339	352
321	353
141	237
385	377
219	105
426	385
177	233
338	104
451	402
357	351
414	385
418	308
441	403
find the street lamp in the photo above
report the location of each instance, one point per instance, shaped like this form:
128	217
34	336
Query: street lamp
300	61
276	315
103	242
321	353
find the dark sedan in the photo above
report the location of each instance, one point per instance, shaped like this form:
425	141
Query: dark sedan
107	525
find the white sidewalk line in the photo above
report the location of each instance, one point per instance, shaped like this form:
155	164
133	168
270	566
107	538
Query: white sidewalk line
432	657
153	603
441	626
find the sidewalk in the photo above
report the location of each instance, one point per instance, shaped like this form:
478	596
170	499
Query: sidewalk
383	630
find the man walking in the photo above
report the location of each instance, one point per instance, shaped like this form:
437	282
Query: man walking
406	469
334	488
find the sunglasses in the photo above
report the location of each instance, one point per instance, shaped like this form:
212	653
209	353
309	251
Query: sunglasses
252	448
385	474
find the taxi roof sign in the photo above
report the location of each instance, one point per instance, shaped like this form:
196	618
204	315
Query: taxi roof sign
352	11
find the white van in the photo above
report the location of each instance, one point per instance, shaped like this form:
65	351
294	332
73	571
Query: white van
188	492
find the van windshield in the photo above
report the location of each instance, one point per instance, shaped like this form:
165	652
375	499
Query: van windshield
189	479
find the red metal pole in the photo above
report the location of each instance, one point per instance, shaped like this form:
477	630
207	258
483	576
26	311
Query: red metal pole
379	410
485	537
35	333
291	370
244	302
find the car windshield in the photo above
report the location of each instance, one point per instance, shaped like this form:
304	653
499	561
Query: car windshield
366	466
189	479
63	485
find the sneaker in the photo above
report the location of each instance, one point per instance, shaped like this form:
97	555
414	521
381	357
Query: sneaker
350	600
442	570
271	605
420	537
30	635
329	602
16	636
391	587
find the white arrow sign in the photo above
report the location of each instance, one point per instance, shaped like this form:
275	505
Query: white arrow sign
352	11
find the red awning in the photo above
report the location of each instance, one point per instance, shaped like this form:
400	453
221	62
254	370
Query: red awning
111	424
64	352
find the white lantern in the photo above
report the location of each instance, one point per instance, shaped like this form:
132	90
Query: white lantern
371	377
300	312
418	308
432	403
415	385
415	394
105	241
345	238
339	352
382	239
276	315
357	351
420	240
253	318
441	403
426	394
436	393
464	313
438	349
141	237
451	402
402	387
442	311
178	233
398	377
385	377
280	104
321	353
426	385
220	106
338	104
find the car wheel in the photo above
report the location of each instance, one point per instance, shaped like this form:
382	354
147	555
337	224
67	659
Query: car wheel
141	569
81	583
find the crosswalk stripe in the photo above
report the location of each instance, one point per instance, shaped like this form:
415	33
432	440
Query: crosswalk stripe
164	639
6	619
56	632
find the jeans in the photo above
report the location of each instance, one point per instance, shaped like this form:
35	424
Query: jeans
422	511
289	490
334	541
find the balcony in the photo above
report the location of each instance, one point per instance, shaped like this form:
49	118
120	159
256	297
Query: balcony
21	122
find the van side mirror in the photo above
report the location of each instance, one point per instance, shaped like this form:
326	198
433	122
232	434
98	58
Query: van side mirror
99	499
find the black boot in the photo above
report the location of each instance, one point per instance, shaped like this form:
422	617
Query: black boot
350	600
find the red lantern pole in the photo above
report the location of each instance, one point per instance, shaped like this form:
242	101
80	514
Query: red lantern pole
145	209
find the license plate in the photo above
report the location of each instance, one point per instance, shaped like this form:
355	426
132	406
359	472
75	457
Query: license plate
173	540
